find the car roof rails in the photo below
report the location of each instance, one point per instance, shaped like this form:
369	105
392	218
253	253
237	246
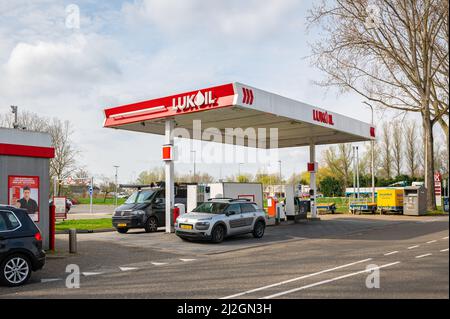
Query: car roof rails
220	198
240	199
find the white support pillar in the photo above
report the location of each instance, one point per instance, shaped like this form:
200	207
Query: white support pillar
312	180
169	185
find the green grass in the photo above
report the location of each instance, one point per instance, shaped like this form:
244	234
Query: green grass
84	224
101	201
341	203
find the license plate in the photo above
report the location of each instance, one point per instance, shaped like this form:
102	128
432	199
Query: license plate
121	225
186	226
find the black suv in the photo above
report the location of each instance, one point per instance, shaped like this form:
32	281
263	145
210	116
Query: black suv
20	246
145	208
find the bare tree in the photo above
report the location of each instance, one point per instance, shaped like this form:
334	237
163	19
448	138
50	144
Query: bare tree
63	164
386	151
340	162
411	153
393	53
397	147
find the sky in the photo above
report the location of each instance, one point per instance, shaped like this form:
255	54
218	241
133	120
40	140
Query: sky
128	51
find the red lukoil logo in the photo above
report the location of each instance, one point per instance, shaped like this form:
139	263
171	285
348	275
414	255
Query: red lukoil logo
192	101
323	117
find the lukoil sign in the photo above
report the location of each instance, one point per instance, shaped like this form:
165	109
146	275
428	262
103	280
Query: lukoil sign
192	101
323	117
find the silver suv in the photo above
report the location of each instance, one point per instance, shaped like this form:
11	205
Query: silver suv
219	218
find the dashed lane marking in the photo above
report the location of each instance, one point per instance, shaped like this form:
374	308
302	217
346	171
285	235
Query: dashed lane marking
295	279
127	268
412	247
86	274
391	253
187	259
158	264
50	280
424	255
444	250
431	241
329	280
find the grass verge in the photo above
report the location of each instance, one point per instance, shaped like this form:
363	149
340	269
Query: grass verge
84	224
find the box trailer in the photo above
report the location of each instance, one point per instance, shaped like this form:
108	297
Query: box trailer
201	193
390	199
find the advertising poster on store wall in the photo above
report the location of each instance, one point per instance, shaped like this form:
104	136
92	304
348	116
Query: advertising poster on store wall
23	192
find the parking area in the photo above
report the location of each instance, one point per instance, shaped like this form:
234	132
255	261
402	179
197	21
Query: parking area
309	260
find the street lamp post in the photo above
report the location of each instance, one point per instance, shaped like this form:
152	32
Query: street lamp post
279	165
194	164
115	192
239	171
372	146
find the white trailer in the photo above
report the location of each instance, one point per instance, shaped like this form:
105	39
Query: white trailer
201	193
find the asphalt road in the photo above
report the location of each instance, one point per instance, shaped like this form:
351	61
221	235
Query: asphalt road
328	259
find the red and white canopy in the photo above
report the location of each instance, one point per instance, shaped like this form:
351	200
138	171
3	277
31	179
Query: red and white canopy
236	105
16	142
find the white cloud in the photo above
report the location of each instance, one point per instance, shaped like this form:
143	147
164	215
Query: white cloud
146	49
231	18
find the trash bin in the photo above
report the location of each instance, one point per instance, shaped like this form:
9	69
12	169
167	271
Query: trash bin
415	201
303	207
446	204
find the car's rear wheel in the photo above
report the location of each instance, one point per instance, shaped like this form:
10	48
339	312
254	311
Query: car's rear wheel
151	225
218	234
122	230
258	229
15	270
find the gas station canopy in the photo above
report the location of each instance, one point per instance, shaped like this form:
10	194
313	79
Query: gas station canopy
236	105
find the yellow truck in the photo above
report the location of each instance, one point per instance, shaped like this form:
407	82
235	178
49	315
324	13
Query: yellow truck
390	199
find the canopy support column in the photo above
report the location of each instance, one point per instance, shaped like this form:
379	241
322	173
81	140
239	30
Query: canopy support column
312	181
169	184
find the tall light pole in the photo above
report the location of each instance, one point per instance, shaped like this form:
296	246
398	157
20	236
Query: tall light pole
239	170
354	172
115	192
194	165
357	169
279	166
372	151
15	111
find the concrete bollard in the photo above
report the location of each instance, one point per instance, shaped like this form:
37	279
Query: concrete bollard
72	241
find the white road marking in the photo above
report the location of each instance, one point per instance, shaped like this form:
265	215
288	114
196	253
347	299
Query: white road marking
391	253
424	255
412	247
328	280
50	280
187	259
443	250
127	268
158	264
431	241
445	237
91	273
295	279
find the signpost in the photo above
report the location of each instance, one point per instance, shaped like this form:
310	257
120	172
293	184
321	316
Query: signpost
60	207
70	181
437	188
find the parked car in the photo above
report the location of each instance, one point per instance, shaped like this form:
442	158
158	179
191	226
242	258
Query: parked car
146	209
219	218
20	246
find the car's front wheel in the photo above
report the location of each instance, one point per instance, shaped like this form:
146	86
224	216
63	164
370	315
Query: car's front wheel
258	229
218	234
151	225
15	270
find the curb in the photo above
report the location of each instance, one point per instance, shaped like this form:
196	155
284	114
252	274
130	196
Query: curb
87	231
